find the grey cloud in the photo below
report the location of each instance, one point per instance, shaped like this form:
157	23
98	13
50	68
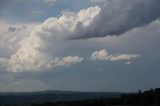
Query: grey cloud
14	29
118	17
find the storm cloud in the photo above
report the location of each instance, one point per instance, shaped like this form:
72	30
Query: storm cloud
118	17
115	18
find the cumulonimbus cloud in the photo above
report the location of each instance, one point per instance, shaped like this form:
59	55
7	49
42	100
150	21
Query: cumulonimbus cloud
30	54
115	18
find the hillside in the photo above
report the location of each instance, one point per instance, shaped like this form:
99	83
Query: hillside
51	96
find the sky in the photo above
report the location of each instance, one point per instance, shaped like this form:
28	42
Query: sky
79	45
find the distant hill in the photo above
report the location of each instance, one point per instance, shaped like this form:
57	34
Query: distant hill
52	96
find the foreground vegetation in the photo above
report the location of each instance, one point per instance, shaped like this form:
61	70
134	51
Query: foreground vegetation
150	97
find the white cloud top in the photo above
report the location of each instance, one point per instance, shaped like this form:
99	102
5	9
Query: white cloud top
30	54
105	56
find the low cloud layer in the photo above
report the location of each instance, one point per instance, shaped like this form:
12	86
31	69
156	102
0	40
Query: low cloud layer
64	61
105	56
37	64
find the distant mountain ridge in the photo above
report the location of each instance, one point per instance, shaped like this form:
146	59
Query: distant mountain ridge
51	96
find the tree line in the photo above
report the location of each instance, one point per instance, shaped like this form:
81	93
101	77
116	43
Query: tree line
149	97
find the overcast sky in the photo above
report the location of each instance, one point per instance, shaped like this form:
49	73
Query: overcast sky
80	45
